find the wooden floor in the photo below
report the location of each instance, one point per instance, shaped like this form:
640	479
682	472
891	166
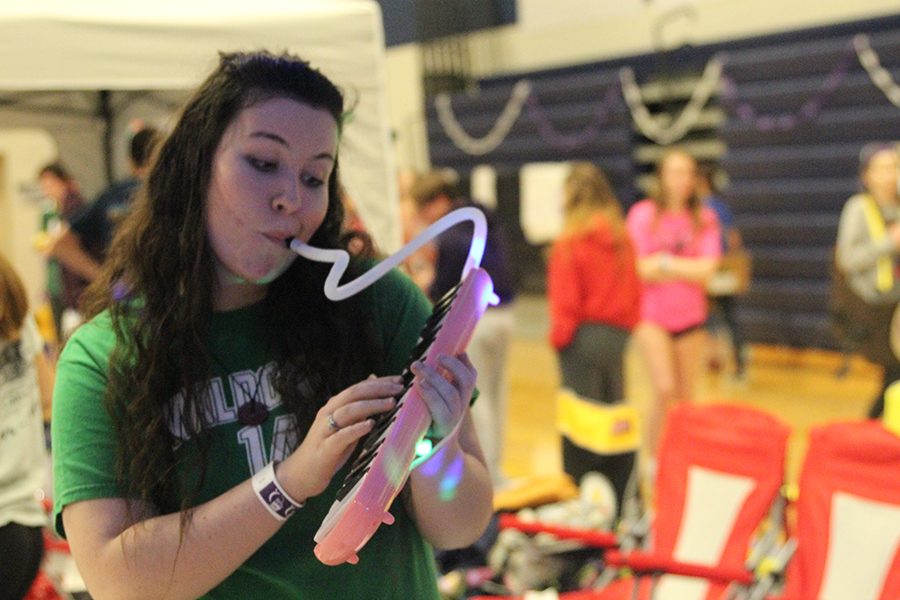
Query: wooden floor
801	387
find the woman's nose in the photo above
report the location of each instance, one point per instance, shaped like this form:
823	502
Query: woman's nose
288	200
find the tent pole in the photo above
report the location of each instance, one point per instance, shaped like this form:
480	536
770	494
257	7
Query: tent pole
104	111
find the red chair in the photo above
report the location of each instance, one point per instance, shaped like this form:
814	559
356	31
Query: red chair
720	471
848	515
44	587
719	474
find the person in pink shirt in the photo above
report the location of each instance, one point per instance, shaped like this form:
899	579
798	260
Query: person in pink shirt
677	243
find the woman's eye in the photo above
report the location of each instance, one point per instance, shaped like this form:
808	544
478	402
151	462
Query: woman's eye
311	181
264	166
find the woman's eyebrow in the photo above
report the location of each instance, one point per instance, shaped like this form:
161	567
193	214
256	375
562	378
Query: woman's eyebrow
277	138
271	136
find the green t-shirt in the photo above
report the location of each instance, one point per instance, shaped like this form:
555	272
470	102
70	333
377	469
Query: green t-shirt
395	563
54	269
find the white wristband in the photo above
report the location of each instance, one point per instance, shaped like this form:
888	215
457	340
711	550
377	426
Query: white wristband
279	504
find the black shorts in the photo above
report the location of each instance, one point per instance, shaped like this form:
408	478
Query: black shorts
21	549
680	333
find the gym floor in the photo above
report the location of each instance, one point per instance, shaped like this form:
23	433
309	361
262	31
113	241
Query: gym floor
801	387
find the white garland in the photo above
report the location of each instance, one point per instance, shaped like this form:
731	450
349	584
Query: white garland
498	133
649	125
880	76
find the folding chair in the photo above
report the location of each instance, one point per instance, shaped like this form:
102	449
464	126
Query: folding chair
58	576
848	516
719	474
720	471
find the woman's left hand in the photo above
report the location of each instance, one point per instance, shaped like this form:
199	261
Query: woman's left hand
446	390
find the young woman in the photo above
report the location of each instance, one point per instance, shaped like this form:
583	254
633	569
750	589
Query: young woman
678	247
213	356
594	295
868	245
25	382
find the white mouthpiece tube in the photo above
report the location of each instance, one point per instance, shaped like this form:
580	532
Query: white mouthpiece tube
341	260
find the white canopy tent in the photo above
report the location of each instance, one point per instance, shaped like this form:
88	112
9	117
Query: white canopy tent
82	69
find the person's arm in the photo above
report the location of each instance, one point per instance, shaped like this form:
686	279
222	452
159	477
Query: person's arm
151	557
451	495
662	266
67	249
699	268
856	250
694	269
735	241
46	375
649	268
639	224
146	557
44	367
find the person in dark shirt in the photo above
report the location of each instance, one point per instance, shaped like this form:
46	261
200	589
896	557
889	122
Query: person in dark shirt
723	307
435	195
81	247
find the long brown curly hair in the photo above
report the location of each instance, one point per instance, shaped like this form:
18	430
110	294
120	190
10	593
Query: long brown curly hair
13	301
158	286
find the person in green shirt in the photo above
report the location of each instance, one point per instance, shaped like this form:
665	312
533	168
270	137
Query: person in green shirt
64	286
214	387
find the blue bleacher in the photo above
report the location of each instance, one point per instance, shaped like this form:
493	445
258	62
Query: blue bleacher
786	187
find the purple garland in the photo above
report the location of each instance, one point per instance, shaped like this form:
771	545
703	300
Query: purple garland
569	141
746	112
809	111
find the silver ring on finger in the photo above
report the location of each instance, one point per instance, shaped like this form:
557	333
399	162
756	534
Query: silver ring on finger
332	424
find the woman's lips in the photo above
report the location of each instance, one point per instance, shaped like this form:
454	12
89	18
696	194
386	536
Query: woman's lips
282	239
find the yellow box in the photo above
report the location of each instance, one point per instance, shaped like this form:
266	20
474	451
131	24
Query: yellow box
600	428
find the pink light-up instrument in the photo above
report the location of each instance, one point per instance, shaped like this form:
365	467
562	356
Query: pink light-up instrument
383	465
388	453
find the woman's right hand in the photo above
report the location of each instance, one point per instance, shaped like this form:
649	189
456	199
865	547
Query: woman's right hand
338	425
